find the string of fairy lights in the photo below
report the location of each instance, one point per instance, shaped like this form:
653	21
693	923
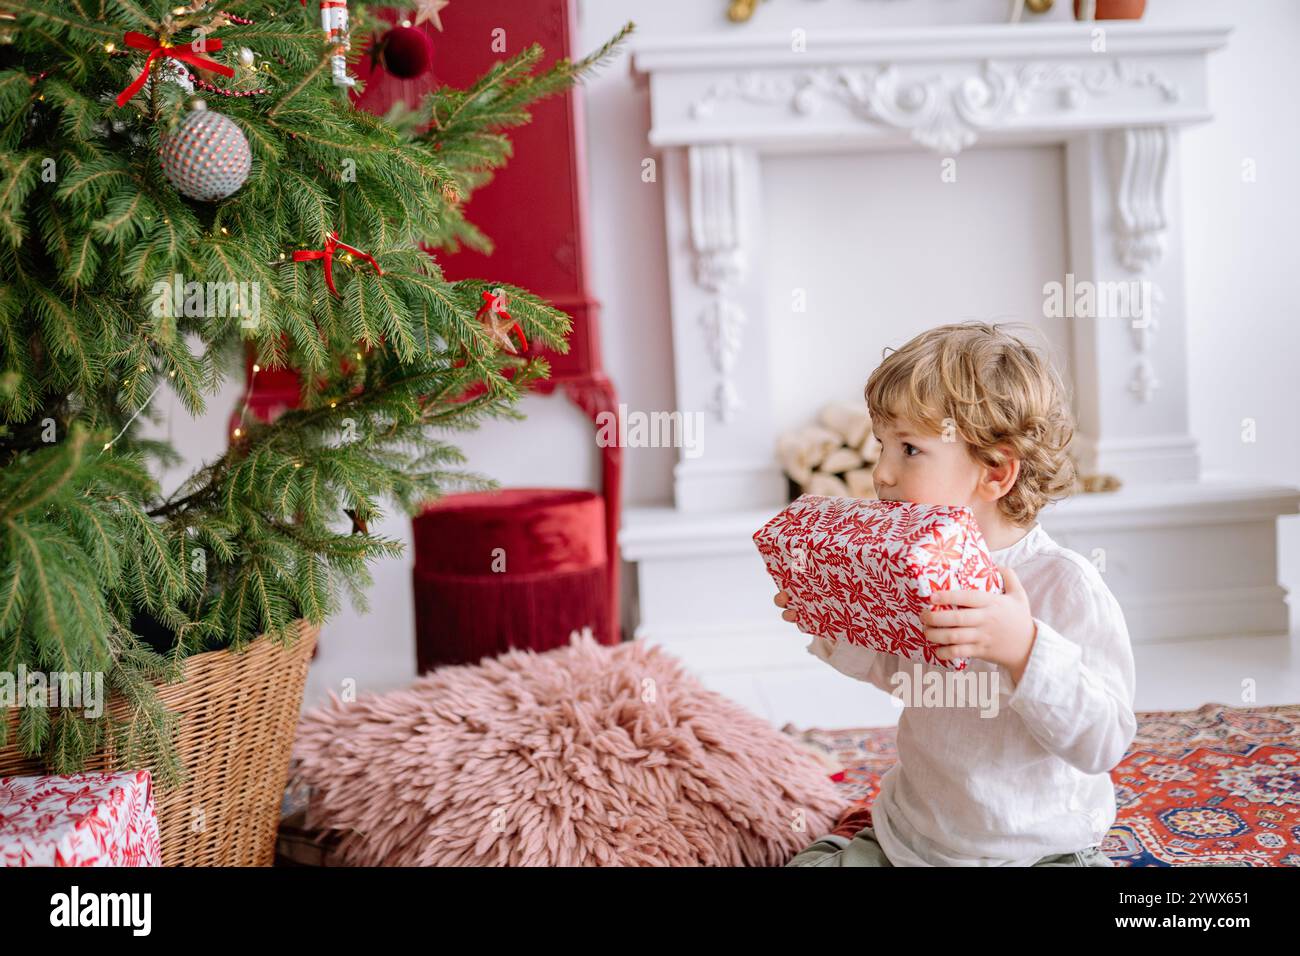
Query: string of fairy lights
189	80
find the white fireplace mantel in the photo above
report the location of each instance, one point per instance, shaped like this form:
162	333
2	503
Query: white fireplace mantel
943	89
1115	100
718	104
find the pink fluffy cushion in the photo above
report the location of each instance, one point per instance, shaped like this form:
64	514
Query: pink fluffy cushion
586	755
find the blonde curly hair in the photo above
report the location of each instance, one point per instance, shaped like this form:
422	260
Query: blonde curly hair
992	389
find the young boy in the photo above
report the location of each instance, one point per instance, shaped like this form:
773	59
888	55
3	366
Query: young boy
969	415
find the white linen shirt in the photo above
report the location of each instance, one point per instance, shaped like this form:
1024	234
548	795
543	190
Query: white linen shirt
1032	781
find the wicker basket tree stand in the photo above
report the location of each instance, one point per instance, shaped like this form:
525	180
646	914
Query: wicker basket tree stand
238	712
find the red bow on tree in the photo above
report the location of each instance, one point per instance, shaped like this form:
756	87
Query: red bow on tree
186	53
332	243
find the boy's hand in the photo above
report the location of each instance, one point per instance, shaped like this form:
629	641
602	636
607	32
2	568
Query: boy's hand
998	628
782	599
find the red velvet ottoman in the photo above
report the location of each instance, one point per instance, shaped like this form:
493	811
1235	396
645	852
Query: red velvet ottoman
514	568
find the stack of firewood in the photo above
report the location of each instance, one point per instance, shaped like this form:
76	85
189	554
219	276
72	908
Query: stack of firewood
834	456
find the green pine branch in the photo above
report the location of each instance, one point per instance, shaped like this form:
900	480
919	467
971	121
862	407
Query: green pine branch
95	325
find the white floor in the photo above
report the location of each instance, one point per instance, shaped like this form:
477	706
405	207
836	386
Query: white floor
1240	672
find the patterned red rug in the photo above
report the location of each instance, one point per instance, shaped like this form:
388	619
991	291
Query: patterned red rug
1216	786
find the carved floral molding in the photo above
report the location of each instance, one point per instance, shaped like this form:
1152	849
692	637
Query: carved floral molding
1140	158
942	113
720	264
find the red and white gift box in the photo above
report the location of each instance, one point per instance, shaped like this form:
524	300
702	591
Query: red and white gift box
82	819
861	570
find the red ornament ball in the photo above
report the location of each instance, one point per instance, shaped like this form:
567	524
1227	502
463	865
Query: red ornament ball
405	52
207	156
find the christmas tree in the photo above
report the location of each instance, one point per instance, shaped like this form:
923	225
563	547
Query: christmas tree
146	242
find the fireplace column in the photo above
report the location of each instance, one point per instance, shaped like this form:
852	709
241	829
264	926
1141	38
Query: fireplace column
1130	370
711	195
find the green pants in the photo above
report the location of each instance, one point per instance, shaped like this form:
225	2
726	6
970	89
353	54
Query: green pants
863	850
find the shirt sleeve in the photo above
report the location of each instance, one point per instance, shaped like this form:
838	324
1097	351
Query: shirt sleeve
861	663
1076	694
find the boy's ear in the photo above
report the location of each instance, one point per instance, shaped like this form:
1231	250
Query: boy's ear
1000	479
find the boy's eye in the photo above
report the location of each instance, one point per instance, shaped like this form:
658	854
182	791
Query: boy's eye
906	446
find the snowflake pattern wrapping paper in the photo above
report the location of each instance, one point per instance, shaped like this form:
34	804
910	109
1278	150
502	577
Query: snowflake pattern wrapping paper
861	570
82	819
